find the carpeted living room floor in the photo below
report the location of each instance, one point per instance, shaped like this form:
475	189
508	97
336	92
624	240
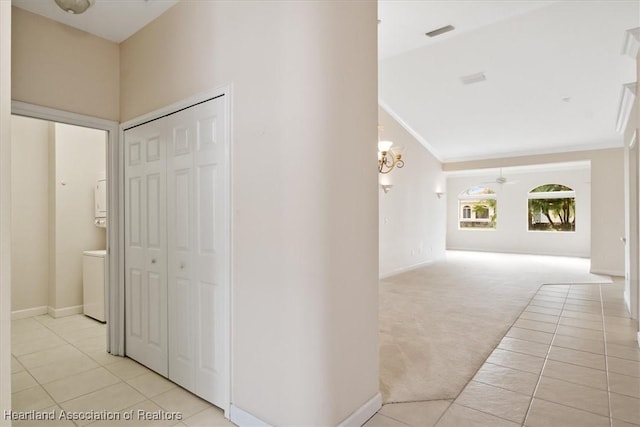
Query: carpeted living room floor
439	323
571	359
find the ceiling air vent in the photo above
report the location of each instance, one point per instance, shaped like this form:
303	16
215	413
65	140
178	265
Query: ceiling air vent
439	31
473	78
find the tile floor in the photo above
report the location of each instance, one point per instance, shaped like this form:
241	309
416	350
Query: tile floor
571	359
61	364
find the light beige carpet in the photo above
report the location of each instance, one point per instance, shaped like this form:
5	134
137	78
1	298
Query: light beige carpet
438	323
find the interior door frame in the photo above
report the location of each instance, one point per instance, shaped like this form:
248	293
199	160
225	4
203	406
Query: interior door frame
225	92
115	339
631	297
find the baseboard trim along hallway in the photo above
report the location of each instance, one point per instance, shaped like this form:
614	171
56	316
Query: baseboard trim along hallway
362	414
242	418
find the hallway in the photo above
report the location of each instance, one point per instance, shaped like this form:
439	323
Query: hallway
61	364
503	351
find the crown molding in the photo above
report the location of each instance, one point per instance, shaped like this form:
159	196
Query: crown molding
631	42
409	129
627	99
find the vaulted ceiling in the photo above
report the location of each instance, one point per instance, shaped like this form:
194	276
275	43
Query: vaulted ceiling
554	74
554	69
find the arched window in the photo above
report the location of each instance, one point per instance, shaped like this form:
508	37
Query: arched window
482	211
552	207
477	209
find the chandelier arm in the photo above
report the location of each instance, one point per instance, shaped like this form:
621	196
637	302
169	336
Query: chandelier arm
387	162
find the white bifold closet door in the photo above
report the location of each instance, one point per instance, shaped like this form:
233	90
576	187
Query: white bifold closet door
145	227
194	247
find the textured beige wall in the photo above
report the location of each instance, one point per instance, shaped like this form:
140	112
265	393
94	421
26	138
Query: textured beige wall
412	219
80	158
29	213
58	66
305	211
5	209
607	199
159	68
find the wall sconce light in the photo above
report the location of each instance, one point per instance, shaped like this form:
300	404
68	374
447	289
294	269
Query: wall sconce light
389	157
386	187
439	194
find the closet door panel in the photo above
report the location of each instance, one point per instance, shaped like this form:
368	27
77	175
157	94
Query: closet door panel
212	251
145	247
198	255
183	308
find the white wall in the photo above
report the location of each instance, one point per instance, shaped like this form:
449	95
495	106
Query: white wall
607	212
607	199
5	209
305	214
511	233
80	158
29	213
412	218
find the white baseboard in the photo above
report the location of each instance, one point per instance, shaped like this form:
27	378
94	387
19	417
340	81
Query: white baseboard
608	272
363	413
66	311
518	252
405	269
244	419
28	312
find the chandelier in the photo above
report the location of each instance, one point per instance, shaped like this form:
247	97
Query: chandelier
389	157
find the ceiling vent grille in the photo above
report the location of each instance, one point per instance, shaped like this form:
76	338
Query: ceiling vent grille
439	31
473	78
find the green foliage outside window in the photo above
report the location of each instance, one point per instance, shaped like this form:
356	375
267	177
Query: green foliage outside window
552	214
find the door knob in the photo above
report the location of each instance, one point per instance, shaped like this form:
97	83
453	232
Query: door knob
182	266
153	260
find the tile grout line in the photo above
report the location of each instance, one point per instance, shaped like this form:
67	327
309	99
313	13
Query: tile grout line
58	403
55	401
479	410
544	364
443	412
377	413
485	361
121	380
606	358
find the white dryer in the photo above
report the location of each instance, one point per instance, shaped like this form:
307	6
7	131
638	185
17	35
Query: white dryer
93	284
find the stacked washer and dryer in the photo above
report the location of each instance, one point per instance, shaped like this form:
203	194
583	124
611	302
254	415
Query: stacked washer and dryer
93	262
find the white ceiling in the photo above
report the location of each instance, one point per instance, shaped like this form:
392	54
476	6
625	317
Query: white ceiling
404	23
114	20
533	54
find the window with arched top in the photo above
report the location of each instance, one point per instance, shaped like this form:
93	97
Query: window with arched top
477	209
552	207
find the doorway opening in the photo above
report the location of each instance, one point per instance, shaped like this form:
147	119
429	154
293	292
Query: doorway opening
58	219
59	257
